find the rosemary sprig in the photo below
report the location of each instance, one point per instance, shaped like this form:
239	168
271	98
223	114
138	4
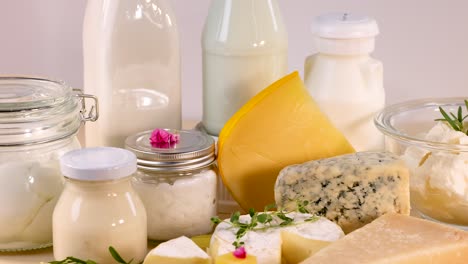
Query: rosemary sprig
73	260
455	121
265	218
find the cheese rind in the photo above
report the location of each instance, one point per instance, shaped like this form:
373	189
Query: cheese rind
397	239
266	244
180	250
351	190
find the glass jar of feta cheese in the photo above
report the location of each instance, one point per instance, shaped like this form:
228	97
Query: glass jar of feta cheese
39	120
177	183
98	207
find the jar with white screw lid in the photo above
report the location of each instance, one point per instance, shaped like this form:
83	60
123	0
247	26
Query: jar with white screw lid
98	207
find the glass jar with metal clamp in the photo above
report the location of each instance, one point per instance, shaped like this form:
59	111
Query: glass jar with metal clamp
39	120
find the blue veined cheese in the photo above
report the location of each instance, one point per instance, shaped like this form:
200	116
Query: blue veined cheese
266	243
351	190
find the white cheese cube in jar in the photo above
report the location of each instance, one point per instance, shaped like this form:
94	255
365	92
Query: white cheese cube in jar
177	183
39	120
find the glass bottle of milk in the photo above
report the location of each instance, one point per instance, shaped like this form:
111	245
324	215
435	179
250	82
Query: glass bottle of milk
244	50
132	63
344	80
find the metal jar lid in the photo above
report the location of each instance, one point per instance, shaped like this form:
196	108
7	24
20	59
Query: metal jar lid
194	150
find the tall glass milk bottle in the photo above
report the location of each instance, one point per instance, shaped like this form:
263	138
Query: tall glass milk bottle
132	63
345	81
244	50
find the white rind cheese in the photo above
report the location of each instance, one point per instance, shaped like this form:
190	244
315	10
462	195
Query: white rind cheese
179	250
266	244
351	190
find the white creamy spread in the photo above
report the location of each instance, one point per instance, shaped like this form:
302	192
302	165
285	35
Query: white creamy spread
439	181
179	206
441	170
28	192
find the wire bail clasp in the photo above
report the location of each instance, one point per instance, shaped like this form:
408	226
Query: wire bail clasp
93	113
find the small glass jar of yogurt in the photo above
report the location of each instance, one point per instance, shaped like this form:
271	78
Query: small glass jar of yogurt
39	120
99	208
177	183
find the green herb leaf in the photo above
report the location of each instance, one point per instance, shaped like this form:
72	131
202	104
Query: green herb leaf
460	114
448	119
235	217
116	256
215	220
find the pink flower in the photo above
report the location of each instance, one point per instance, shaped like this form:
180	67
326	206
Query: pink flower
162	138
240	253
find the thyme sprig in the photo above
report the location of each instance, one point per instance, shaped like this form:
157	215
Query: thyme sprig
265	218
73	260
455	121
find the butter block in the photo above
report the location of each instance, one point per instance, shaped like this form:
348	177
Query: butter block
180	250
351	190
397	239
266	243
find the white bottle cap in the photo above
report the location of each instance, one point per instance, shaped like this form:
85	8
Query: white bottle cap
344	33
98	164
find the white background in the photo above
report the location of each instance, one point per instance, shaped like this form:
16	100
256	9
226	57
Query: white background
423	44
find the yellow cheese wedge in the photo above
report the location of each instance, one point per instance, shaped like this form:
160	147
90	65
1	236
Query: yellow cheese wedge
180	250
397	239
230	259
280	126
296	248
202	241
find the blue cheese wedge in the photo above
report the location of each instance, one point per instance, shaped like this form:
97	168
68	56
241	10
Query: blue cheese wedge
351	190
266	243
180	250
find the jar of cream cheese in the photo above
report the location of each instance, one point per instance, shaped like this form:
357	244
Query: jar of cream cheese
177	183
39	120
99	208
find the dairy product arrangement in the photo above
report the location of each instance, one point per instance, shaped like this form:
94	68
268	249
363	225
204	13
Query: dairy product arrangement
302	159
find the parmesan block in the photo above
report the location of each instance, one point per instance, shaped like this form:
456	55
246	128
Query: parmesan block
180	250
397	239
351	190
266	244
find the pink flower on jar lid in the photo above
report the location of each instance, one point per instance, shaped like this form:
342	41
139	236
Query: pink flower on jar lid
240	253
163	139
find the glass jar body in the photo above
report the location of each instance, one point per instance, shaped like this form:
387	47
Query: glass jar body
30	184
178	203
91	216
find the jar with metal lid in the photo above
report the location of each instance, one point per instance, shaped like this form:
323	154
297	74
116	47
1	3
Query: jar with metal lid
177	183
99	208
39	120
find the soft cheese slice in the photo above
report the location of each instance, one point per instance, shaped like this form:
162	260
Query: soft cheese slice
180	250
397	239
351	190
280	126
296	248
266	244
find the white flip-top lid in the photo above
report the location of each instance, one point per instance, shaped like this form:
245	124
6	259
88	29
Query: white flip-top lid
98	164
345	33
